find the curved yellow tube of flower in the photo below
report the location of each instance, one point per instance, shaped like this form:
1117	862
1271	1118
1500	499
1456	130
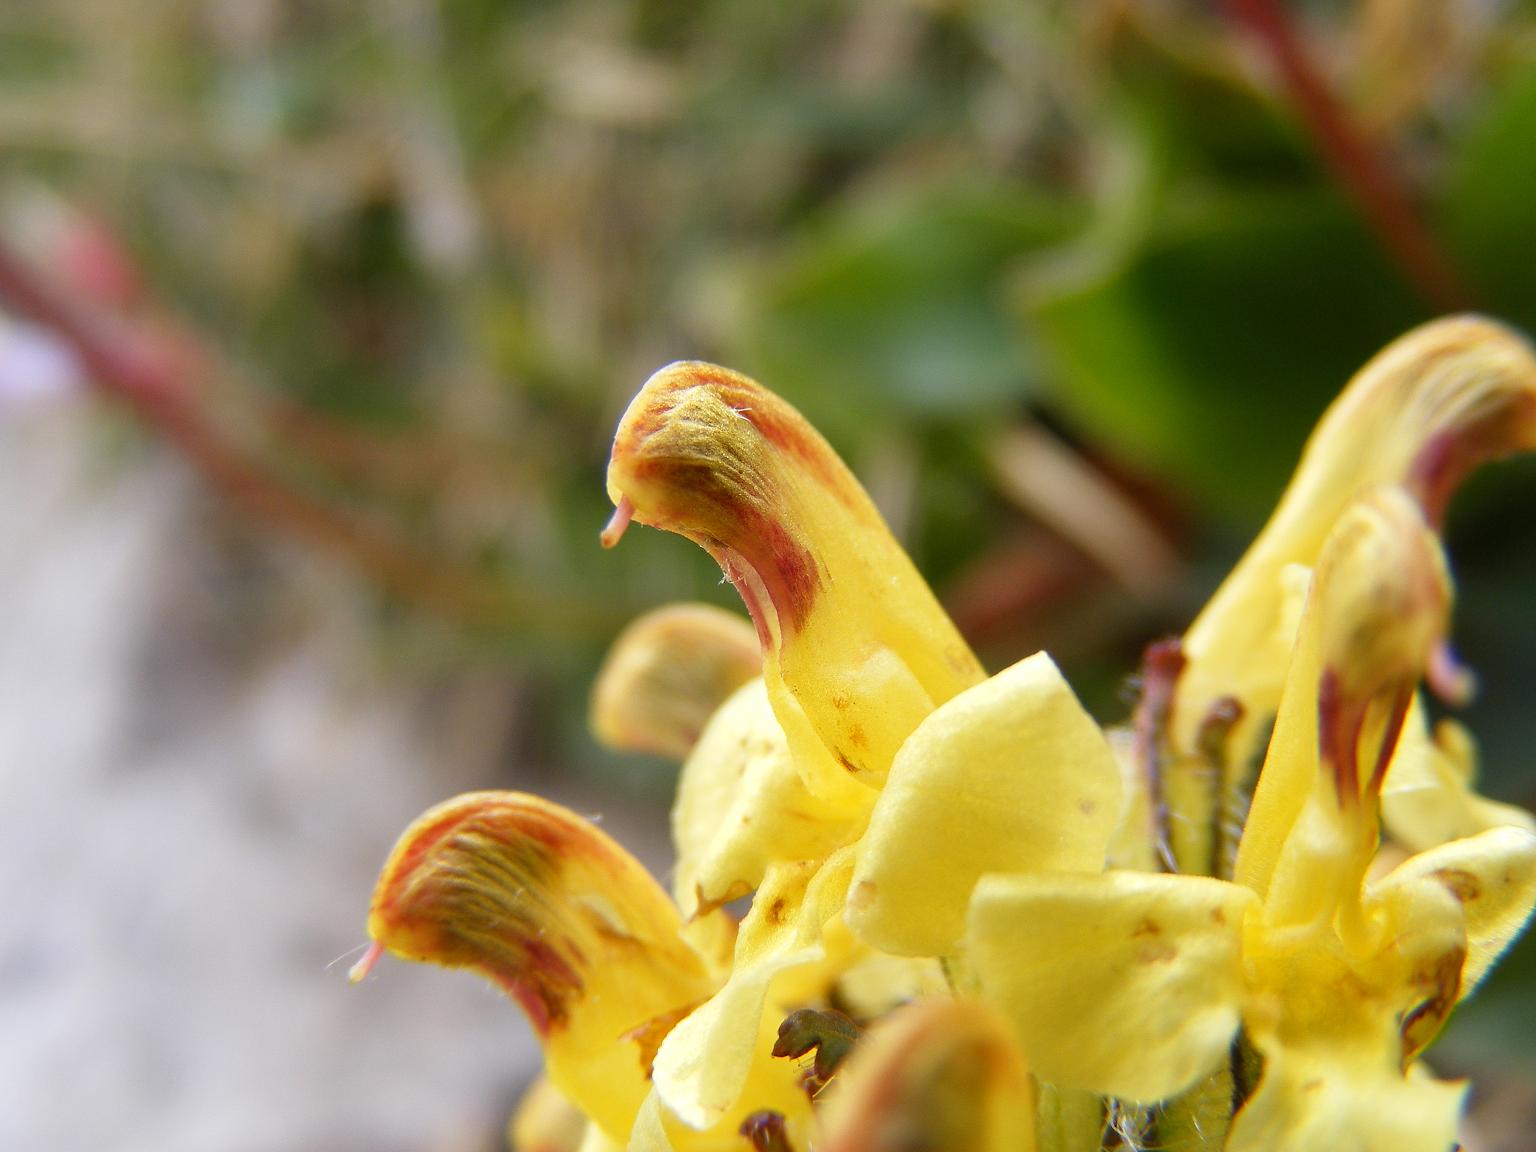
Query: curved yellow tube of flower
683	680
856	649
1349	980
544	905
1422	414
1378	609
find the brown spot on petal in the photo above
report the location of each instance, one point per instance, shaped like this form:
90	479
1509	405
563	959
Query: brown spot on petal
862	895
777	912
648	1037
1465	886
1442	980
1152	949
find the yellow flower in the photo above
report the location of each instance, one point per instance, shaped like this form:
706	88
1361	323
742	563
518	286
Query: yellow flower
548	908
856	650
1421	415
969	865
856	654
1133	985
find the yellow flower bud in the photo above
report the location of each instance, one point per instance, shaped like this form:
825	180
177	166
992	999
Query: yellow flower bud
667	673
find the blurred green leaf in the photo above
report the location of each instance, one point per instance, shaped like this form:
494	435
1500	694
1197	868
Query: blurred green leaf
894	306
29	57
1489	217
1210	351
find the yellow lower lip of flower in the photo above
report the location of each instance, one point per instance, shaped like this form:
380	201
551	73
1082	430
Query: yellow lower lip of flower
1009	776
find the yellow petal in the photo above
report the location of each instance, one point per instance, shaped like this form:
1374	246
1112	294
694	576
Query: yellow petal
713	936
1321	1097
595	1141
658	1130
1134	842
939	1074
1126	984
1491	875
877	983
1354	1003
544	905
705	1064
667	673
650	1132
742	806
1422	414
1428	797
1009	776
1377	609
856	649
546	1121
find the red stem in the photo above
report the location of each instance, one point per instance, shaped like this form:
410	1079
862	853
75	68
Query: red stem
1363	173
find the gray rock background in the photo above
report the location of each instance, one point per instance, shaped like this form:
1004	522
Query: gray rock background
203	762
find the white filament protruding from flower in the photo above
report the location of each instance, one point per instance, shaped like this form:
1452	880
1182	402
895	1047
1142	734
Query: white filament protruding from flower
614	530
359	971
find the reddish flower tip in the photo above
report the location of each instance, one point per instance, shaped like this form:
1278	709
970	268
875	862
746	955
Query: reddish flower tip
359	971
613	531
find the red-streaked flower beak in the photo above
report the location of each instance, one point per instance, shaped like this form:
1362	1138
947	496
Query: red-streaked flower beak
856	649
549	909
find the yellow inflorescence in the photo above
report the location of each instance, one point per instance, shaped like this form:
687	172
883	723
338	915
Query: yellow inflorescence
969	917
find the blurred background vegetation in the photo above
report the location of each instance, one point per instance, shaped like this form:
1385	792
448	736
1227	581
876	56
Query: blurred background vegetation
1066	283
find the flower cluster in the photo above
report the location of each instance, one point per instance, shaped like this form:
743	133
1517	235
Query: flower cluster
978	920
